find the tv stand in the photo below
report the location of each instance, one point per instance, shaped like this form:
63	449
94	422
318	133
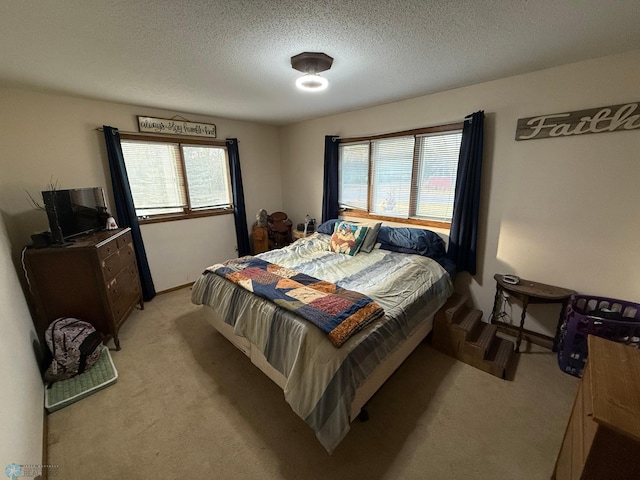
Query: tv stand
94	278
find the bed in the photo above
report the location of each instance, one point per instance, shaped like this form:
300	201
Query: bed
326	385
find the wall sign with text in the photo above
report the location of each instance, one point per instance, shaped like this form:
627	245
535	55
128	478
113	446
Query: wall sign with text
175	127
582	122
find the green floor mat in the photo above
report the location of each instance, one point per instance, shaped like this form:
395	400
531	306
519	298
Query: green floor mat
66	392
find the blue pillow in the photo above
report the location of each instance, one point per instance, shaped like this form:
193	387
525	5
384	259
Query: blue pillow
412	240
328	227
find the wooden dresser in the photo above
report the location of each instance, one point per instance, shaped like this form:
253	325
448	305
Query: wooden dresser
602	440
95	279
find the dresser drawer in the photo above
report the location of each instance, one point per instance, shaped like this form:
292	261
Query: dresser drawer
590	426
578	452
111	266
123	282
108	248
124	239
129	297
127	255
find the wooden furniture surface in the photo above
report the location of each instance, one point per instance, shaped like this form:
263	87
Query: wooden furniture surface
260	239
602	439
530	292
95	279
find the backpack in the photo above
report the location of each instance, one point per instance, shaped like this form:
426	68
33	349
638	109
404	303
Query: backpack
74	346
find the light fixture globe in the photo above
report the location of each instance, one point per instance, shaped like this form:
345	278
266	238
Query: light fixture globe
311	63
312	82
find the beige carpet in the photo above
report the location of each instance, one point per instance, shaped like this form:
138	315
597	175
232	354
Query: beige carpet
188	405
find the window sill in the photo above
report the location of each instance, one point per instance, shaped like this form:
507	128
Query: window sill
172	217
409	221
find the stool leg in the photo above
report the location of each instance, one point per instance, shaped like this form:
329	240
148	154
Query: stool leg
494	312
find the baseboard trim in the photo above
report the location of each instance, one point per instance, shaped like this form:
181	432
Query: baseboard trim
45	445
173	289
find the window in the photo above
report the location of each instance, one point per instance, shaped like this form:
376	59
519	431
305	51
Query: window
408	176
174	178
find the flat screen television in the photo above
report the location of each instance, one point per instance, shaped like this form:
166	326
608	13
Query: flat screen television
74	212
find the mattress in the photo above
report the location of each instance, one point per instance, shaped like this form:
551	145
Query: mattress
321	380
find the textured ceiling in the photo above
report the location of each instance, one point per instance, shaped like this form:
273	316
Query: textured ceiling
232	58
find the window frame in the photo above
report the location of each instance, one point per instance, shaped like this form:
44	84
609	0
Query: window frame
188	212
411	220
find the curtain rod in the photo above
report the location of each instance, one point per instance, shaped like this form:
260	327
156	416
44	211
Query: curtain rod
415	131
164	135
100	129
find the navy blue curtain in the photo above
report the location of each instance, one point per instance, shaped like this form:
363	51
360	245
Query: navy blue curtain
463	237
125	210
239	212
330	186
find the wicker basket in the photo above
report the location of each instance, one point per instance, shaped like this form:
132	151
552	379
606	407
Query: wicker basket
613	319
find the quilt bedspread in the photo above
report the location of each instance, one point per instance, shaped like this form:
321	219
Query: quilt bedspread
335	310
321	380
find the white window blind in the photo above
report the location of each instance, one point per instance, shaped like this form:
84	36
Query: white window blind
353	175
437	169
206	169
392	162
406	176
155	176
176	178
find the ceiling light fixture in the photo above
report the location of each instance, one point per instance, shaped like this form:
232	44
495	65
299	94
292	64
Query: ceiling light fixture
311	64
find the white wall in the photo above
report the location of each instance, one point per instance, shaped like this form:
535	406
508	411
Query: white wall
21	415
46	137
562	211
190	248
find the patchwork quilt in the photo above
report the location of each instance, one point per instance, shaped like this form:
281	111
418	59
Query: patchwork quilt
335	310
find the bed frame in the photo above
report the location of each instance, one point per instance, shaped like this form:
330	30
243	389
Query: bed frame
363	393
